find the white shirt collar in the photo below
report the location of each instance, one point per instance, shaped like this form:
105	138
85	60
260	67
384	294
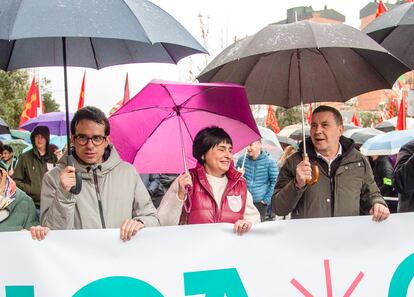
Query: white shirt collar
333	159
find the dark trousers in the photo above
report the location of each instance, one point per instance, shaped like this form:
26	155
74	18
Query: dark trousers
261	207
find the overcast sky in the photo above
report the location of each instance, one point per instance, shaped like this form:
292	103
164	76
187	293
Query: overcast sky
226	19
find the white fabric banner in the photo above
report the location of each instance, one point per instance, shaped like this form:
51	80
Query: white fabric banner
350	256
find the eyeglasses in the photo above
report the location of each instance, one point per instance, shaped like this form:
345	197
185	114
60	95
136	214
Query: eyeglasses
97	140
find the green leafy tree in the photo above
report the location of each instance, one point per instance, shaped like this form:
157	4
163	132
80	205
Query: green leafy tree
48	102
286	117
14	86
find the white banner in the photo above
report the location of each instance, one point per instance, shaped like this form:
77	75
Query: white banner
351	256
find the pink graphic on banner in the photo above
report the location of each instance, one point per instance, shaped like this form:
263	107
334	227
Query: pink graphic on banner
328	280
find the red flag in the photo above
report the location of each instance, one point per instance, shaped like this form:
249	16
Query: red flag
402	115
126	90
82	93
309	115
380	9
355	119
271	120
31	105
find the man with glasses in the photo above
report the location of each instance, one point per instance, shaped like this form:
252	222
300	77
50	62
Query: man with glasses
112	195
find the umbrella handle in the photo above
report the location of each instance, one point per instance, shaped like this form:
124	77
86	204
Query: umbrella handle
76	189
187	201
315	172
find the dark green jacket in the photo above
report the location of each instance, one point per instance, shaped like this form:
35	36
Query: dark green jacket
348	189
21	214
30	170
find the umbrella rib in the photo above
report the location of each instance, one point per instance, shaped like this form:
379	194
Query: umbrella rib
11	52
290	69
332	72
196	94
138	109
375	70
143	29
168	53
94	53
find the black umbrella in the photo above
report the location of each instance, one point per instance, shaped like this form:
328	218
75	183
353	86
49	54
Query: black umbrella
4	128
304	62
394	30
89	33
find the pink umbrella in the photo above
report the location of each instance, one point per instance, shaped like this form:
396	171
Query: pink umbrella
156	128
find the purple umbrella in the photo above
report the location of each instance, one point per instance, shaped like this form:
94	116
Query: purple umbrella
55	121
155	129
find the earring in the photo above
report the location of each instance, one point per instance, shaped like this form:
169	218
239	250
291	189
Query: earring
202	158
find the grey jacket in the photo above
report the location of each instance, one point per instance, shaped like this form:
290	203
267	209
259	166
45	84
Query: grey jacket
122	194
348	189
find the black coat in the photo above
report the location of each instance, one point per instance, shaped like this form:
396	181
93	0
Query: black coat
382	170
403	177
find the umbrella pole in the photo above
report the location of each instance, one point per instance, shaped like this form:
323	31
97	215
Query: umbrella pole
76	189
182	141
303	130
305	155
244	159
65	78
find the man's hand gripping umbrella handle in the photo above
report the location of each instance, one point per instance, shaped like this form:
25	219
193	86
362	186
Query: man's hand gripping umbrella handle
315	172
76	189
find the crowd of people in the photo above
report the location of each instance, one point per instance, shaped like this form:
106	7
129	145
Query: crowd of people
37	188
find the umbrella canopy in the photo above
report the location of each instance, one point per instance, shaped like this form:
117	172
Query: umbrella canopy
284	64
21	134
361	135
394	31
4	127
294	131
283	140
18	145
387	143
270	143
55	121
89	33
156	128
98	34
390	124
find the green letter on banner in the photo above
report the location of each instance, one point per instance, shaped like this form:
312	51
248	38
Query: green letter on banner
19	291
214	283
118	286
402	278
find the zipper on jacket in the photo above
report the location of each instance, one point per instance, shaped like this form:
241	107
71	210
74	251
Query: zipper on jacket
98	195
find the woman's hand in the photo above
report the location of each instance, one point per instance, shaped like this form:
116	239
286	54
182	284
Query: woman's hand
38	232
242	226
183	181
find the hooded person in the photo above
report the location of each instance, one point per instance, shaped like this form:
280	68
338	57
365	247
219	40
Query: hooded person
34	164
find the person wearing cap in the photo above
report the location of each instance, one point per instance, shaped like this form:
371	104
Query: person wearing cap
33	164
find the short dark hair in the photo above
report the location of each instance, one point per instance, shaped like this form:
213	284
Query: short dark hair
8	148
208	138
89	113
325	108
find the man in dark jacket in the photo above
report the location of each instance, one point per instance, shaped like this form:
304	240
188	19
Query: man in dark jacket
382	170
404	178
33	164
346	186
